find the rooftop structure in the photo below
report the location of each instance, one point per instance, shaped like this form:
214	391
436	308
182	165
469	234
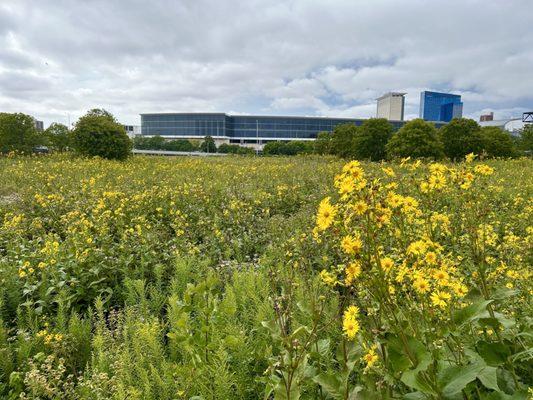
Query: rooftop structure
486	117
443	107
391	106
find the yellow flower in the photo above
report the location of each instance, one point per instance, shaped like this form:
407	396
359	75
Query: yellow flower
351	244
439	298
353	270
326	214
470	157
389	171
437	181
370	358
431	257
417	248
360	207
328	278
421	285
350	325
483	169
387	263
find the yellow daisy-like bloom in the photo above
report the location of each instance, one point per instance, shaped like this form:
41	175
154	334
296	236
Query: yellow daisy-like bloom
350	325
469	158
431	257
421	285
346	186
326	214
351	244
417	248
370	358
328	278
387	263
353	270
483	169
439	298
437	181
360	207
441	277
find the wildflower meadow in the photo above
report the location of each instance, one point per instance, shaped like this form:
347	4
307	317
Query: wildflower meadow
247	277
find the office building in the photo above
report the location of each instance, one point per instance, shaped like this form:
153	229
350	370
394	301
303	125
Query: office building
486	117
443	107
391	106
38	125
132	130
251	130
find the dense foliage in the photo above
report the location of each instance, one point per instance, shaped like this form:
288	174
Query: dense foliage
371	138
460	137
160	143
57	137
417	138
18	133
98	134
249	277
291	148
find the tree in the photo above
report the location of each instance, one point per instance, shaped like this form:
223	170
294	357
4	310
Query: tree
208	145
234	149
343	140
322	144
496	142
526	138
461	136
417	138
18	133
57	136
371	138
99	134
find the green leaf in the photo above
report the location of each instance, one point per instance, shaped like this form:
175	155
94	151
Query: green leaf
331	383
488	378
494	353
471	313
454	379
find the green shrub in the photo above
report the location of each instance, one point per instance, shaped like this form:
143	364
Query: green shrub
343	140
496	142
417	138
99	134
371	138
461	136
18	133
58	137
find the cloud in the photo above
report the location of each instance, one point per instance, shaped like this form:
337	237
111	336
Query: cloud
62	57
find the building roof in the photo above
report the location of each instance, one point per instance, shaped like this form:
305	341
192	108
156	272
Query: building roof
391	94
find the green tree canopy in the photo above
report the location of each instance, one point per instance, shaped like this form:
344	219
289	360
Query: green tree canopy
322	144
18	133
526	138
371	138
208	145
57	136
461	136
497	142
343	140
98	134
417	138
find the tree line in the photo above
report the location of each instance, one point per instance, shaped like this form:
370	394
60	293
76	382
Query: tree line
98	133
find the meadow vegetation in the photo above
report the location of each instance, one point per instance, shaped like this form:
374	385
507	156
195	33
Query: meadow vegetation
255	277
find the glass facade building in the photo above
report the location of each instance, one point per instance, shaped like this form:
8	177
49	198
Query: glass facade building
237	128
443	107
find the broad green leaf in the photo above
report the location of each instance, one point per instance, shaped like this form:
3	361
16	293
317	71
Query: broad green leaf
471	313
332	384
488	378
454	379
494	353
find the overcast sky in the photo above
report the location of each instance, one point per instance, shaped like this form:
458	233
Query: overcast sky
301	57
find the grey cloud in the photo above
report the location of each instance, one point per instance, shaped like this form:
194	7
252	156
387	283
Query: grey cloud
316	58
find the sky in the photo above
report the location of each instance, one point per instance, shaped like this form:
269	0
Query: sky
60	58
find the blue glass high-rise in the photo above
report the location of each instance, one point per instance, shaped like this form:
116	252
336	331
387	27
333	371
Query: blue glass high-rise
442	107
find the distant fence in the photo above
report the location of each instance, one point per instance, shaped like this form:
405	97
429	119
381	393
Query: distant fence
175	153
